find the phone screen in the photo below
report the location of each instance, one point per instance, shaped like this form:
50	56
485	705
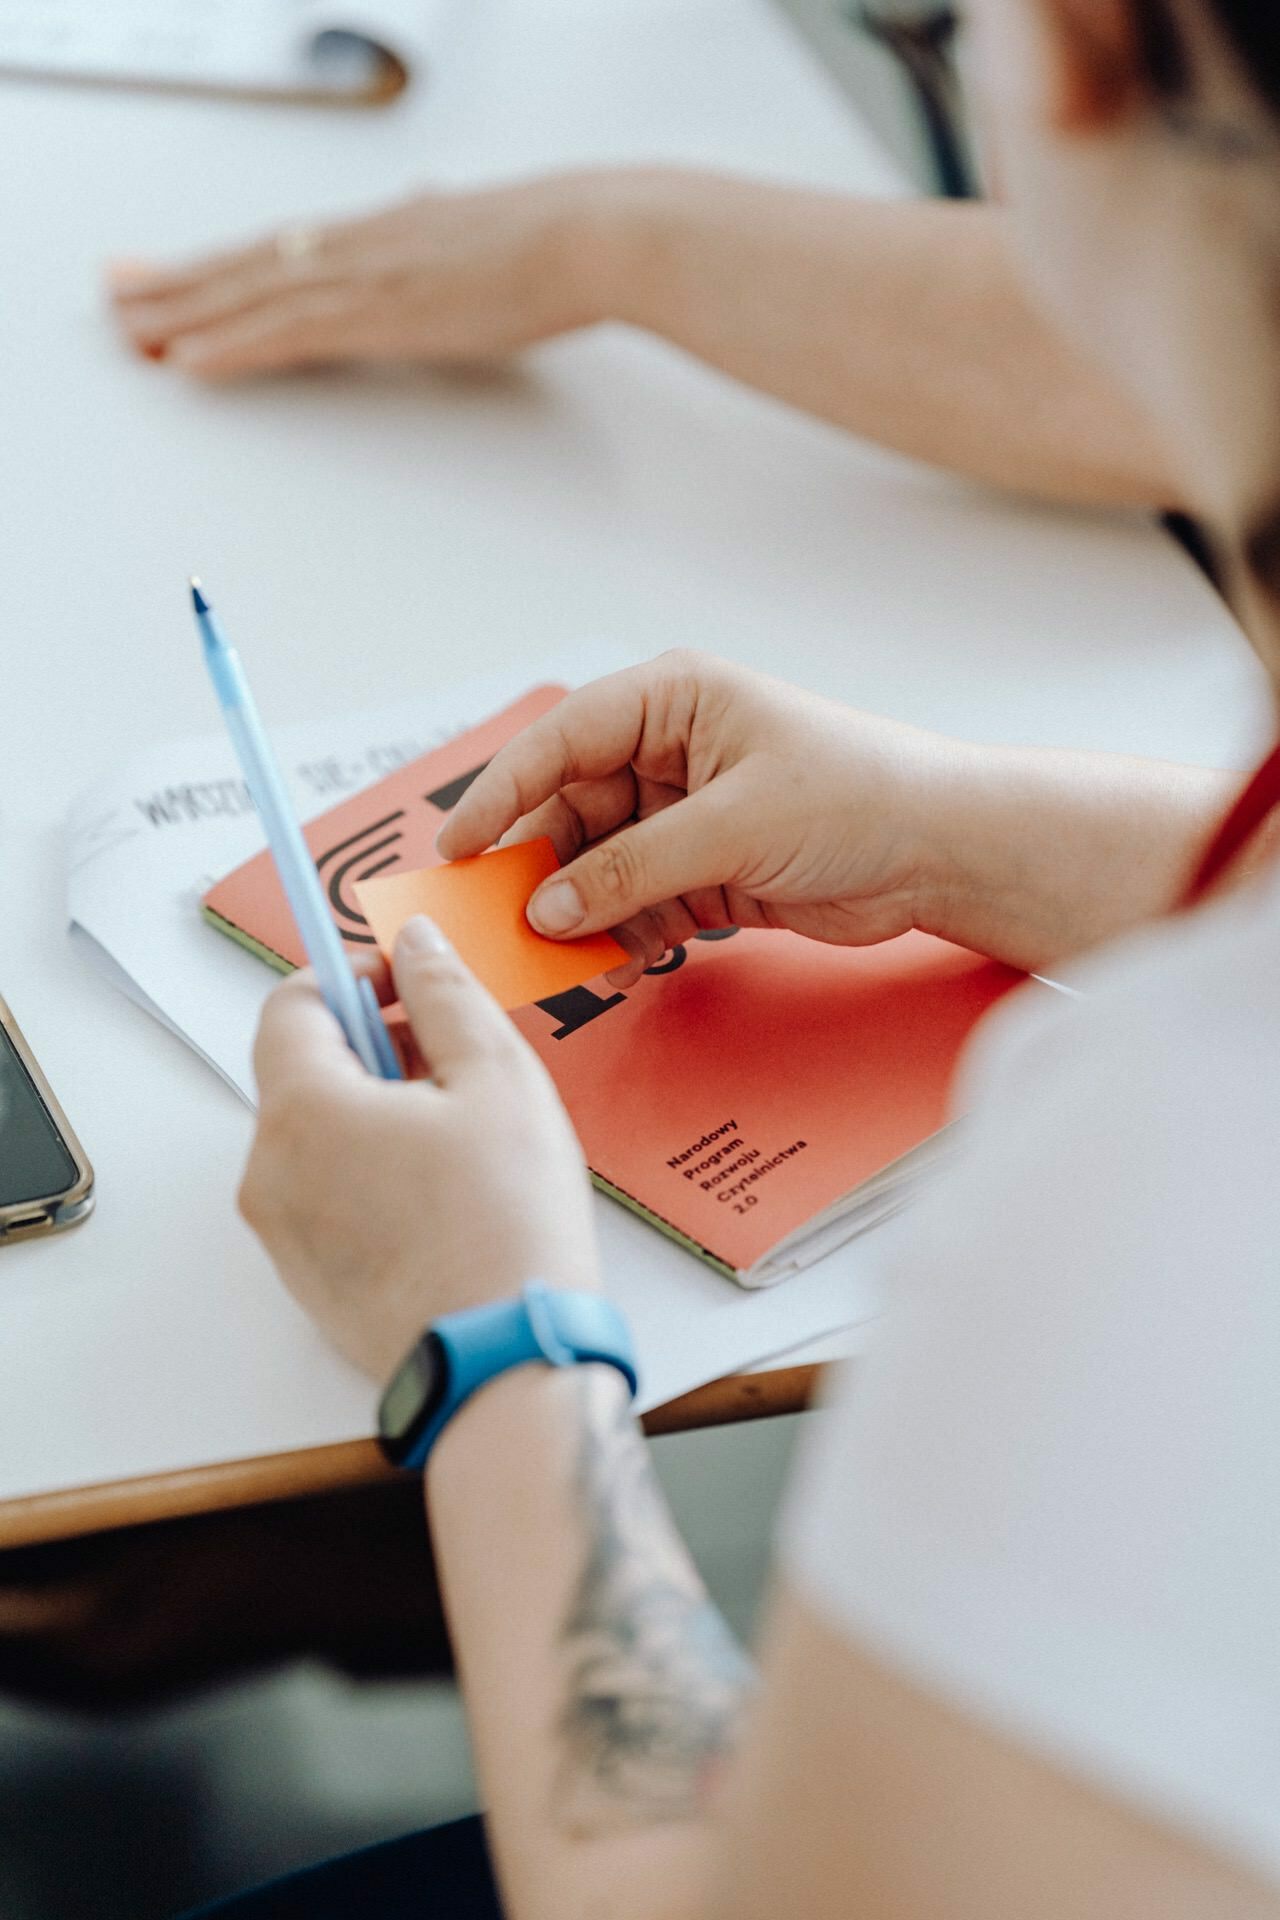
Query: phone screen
34	1161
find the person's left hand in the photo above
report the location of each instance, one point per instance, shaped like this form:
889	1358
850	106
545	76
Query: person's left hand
441	279
384	1205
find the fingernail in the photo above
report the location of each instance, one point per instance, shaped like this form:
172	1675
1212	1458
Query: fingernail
557	907
420	935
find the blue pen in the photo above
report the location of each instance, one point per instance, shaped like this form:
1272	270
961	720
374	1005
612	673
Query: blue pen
352	1002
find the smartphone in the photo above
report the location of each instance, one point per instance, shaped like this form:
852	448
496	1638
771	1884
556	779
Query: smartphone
46	1183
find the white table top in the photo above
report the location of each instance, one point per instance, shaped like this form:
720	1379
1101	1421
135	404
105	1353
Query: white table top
392	531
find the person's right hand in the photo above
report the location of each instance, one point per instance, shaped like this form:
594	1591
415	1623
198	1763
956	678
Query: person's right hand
443	277
690	794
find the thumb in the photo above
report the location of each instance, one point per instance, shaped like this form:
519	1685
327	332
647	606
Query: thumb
685	846
456	1023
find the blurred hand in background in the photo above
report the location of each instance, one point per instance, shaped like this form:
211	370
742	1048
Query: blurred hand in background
444	277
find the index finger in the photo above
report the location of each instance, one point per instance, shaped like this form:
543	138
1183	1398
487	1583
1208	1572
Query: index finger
592	733
299	1042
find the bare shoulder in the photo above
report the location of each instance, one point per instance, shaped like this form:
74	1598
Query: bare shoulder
860	1793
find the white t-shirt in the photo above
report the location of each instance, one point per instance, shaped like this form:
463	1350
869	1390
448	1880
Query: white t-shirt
1051	1493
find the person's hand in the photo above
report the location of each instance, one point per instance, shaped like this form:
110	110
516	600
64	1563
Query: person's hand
690	794
444	277
384	1204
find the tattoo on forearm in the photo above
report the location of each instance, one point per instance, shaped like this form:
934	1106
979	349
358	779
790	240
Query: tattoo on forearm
655	1681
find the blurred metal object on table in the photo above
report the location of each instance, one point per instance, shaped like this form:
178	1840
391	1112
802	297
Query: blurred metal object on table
896	60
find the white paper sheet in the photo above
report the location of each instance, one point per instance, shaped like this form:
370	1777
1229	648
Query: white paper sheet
143	846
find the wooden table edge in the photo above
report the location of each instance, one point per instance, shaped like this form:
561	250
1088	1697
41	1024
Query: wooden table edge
75	1511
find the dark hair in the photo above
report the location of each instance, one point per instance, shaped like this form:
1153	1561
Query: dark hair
1251	26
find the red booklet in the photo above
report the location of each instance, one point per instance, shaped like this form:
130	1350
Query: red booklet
758	1096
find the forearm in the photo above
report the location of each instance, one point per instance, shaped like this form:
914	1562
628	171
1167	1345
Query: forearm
602	1688
906	322
1036	854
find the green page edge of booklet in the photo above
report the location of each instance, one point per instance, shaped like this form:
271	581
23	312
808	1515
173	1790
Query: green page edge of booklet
279	964
276	961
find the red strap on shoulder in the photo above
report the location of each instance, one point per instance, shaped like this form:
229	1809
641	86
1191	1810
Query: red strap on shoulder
1258	800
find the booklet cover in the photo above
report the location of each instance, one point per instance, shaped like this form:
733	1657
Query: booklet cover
759	1096
387	826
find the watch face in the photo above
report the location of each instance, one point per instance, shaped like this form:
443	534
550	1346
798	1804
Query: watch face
415	1392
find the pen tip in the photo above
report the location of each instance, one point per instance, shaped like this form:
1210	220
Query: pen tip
197	595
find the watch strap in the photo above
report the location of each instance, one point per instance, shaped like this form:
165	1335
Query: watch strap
559	1329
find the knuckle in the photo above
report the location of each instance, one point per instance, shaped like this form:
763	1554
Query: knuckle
251	1199
453	997
518	1076
300	982
630	936
615	872
685	665
566	747
263	1192
514	804
458	996
679	660
565	823
675	923
642	937
431	970
657	945
500	787
287	1130
489	1032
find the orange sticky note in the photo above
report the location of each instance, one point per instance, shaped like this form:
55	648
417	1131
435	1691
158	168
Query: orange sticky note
479	906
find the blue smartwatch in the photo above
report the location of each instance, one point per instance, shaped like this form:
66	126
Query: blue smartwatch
460	1352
